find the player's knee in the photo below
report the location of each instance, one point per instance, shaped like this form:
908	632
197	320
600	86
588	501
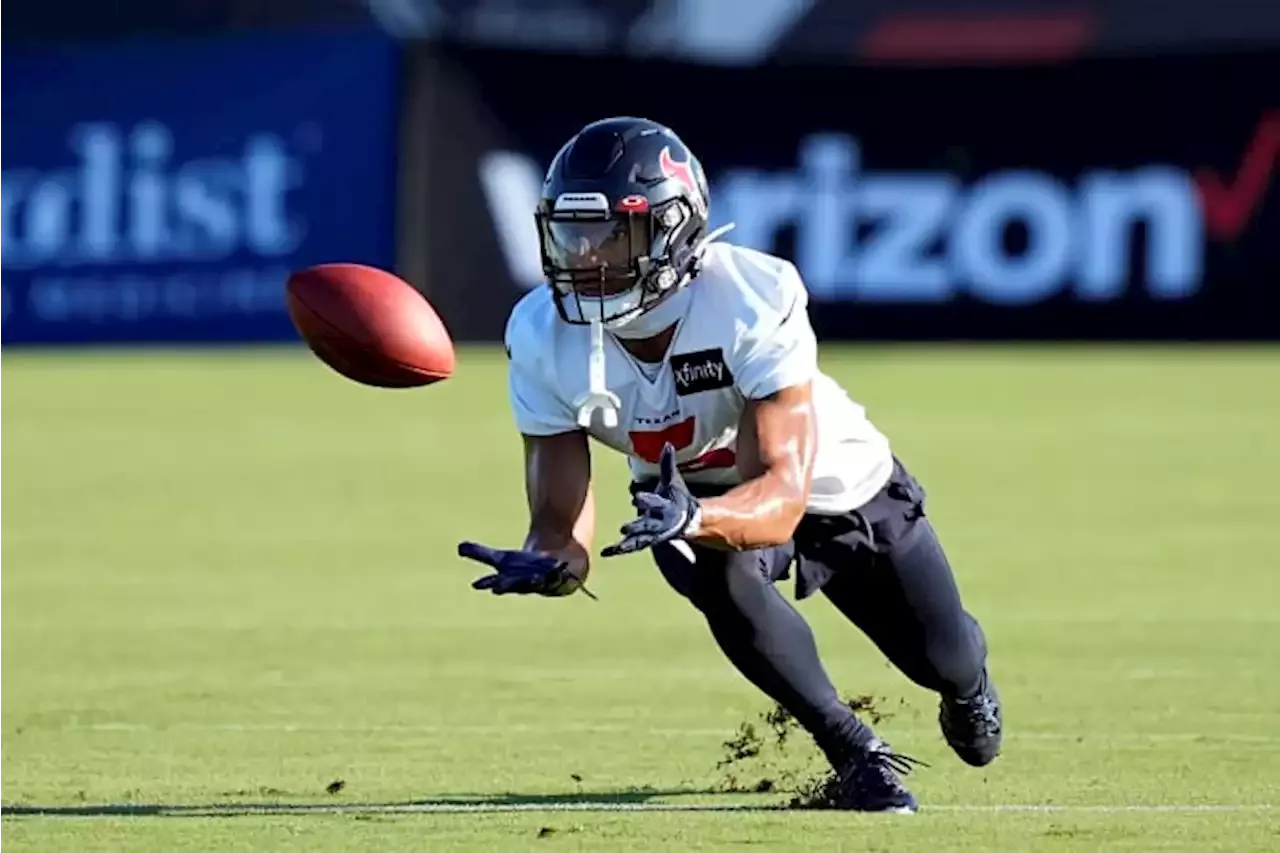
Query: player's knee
951	661
959	654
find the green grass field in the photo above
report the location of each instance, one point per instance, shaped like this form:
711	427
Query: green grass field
229	579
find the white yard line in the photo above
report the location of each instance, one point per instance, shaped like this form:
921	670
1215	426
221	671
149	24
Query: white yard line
1202	808
234	809
446	808
622	728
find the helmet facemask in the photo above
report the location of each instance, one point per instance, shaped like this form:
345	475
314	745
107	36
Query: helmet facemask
609	265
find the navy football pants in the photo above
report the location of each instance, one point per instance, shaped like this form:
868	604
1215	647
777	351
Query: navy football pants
883	568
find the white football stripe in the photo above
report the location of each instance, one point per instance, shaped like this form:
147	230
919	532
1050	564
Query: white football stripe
623	728
481	807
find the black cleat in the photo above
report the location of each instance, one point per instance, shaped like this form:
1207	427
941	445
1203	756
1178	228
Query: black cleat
869	783
972	726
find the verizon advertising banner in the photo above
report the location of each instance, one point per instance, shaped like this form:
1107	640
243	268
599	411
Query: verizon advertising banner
1112	200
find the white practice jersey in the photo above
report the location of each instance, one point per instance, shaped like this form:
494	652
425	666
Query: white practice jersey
745	335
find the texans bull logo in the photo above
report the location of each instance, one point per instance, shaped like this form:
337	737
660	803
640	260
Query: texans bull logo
682	171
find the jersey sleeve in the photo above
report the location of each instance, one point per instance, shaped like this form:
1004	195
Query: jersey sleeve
777	347
536	405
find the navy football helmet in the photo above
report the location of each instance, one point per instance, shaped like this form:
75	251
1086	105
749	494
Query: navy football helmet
622	220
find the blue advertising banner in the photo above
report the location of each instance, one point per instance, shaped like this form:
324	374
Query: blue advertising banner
163	191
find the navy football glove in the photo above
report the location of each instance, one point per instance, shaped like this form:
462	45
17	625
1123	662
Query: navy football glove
521	572
665	513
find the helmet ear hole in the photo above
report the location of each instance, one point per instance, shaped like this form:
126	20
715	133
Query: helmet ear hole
673	214
667	222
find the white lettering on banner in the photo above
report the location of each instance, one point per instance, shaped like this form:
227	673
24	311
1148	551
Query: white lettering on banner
134	298
89	232
512	185
931	237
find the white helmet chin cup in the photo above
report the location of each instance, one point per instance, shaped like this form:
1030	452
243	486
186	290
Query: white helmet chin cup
621	307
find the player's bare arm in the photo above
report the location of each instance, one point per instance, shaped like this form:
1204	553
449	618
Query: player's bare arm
763	511
562	517
554	558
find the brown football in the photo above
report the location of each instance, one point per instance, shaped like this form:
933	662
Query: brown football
370	325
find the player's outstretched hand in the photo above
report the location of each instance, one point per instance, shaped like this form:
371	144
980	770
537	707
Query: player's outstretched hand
665	514
520	572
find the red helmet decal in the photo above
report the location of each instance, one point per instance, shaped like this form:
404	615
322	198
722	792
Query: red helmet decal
682	172
633	204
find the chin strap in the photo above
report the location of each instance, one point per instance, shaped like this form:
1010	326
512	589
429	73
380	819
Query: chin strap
714	235
598	396
701	249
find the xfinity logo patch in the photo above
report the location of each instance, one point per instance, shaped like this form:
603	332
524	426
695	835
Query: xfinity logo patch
704	370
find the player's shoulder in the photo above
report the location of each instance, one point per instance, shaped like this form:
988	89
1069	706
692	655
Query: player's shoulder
753	287
532	324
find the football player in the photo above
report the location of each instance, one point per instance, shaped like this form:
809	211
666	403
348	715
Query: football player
696	360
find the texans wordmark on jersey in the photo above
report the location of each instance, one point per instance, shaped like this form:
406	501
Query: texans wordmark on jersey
745	335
